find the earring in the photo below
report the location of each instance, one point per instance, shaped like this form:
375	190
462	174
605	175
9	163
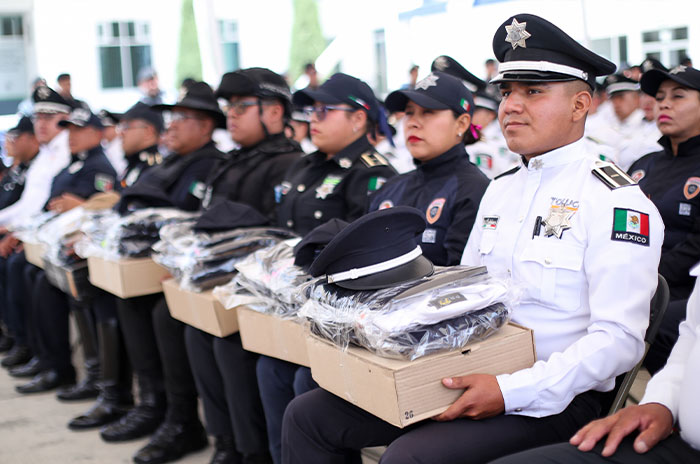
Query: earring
459	134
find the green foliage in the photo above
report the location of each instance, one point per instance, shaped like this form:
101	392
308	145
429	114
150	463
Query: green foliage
189	62
307	39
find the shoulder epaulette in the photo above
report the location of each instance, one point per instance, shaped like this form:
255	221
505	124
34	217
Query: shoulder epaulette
507	173
611	175
371	159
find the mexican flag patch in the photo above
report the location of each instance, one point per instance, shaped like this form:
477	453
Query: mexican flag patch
630	226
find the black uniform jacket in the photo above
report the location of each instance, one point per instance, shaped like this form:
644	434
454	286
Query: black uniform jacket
89	172
137	164
673	184
316	189
249	175
448	190
12	184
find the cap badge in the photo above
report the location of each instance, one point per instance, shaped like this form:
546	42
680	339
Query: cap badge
678	69
516	34
427	82
43	92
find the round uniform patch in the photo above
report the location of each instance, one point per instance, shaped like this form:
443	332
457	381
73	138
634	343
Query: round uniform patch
432	214
691	188
638	175
386	204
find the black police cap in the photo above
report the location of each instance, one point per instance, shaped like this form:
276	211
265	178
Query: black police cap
684	75
531	49
484	99
227	215
341	88
82	117
616	83
437	91
449	65
24	126
198	97
145	113
47	100
255	82
651	63
378	250
108	118
306	251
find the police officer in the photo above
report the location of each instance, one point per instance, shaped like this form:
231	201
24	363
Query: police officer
259	107
671	179
569	237
446	186
333	182
89	172
154	340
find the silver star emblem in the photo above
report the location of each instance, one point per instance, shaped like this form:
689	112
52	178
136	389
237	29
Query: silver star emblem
678	69
43	92
536	163
516	34
429	81
557	222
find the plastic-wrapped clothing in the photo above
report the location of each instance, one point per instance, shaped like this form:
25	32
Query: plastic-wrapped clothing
137	164
12	184
88	173
316	189
249	175
440	312
448	188
672	183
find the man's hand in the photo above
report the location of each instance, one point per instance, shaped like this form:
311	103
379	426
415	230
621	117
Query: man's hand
65	202
7	245
482	397
653	420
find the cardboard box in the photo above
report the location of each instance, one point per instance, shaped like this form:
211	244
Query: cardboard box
273	336
127	277
200	310
405	392
34	253
72	279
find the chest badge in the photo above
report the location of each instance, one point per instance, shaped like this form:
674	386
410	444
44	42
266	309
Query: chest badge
434	211
386	204
75	167
327	186
691	188
558	221
490	222
638	175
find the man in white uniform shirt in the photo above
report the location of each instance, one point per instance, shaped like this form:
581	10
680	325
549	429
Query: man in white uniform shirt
579	237
671	398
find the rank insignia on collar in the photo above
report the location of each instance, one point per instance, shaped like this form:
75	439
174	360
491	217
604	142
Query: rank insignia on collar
345	163
516	35
429	81
558	221
536	163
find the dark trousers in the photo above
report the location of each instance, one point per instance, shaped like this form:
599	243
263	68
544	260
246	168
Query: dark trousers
279	383
225	376
672	450
16	303
666	337
136	321
321	427
50	311
180	388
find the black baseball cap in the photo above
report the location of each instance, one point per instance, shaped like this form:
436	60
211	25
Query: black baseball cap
341	88
437	91
82	117
531	49
684	75
145	113
256	82
198	97
24	126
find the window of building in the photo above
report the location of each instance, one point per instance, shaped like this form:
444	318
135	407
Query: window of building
228	31
380	61
14	84
612	48
669	46
125	49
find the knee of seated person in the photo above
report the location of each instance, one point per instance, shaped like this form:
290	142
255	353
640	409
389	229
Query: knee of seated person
398	453
300	412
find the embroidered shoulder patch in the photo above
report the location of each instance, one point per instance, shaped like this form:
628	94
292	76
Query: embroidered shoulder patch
630	226
104	183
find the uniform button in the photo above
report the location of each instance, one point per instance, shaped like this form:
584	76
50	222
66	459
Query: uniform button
548	260
290	223
318	214
301	187
518	409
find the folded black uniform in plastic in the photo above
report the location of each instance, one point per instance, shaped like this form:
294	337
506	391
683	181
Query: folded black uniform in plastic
268	281
202	260
441	312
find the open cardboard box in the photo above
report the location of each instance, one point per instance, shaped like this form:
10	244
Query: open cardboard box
404	392
127	277
273	336
200	310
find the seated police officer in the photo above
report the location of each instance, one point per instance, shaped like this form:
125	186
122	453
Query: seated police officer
259	107
90	172
565	230
155	341
445	184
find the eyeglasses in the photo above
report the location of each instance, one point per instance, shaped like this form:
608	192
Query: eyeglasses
322	111
177	116
240	107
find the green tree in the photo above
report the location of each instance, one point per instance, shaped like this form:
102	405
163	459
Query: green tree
307	39
189	62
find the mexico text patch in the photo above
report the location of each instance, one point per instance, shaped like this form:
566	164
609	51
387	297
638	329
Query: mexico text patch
630	226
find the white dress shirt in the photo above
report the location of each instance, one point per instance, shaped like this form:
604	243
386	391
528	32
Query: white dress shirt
491	153
585	295
51	159
677	385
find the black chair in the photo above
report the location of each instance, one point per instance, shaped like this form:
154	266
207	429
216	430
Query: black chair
659	303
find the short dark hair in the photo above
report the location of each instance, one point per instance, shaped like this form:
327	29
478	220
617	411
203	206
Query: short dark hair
490	61
62	77
309	66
